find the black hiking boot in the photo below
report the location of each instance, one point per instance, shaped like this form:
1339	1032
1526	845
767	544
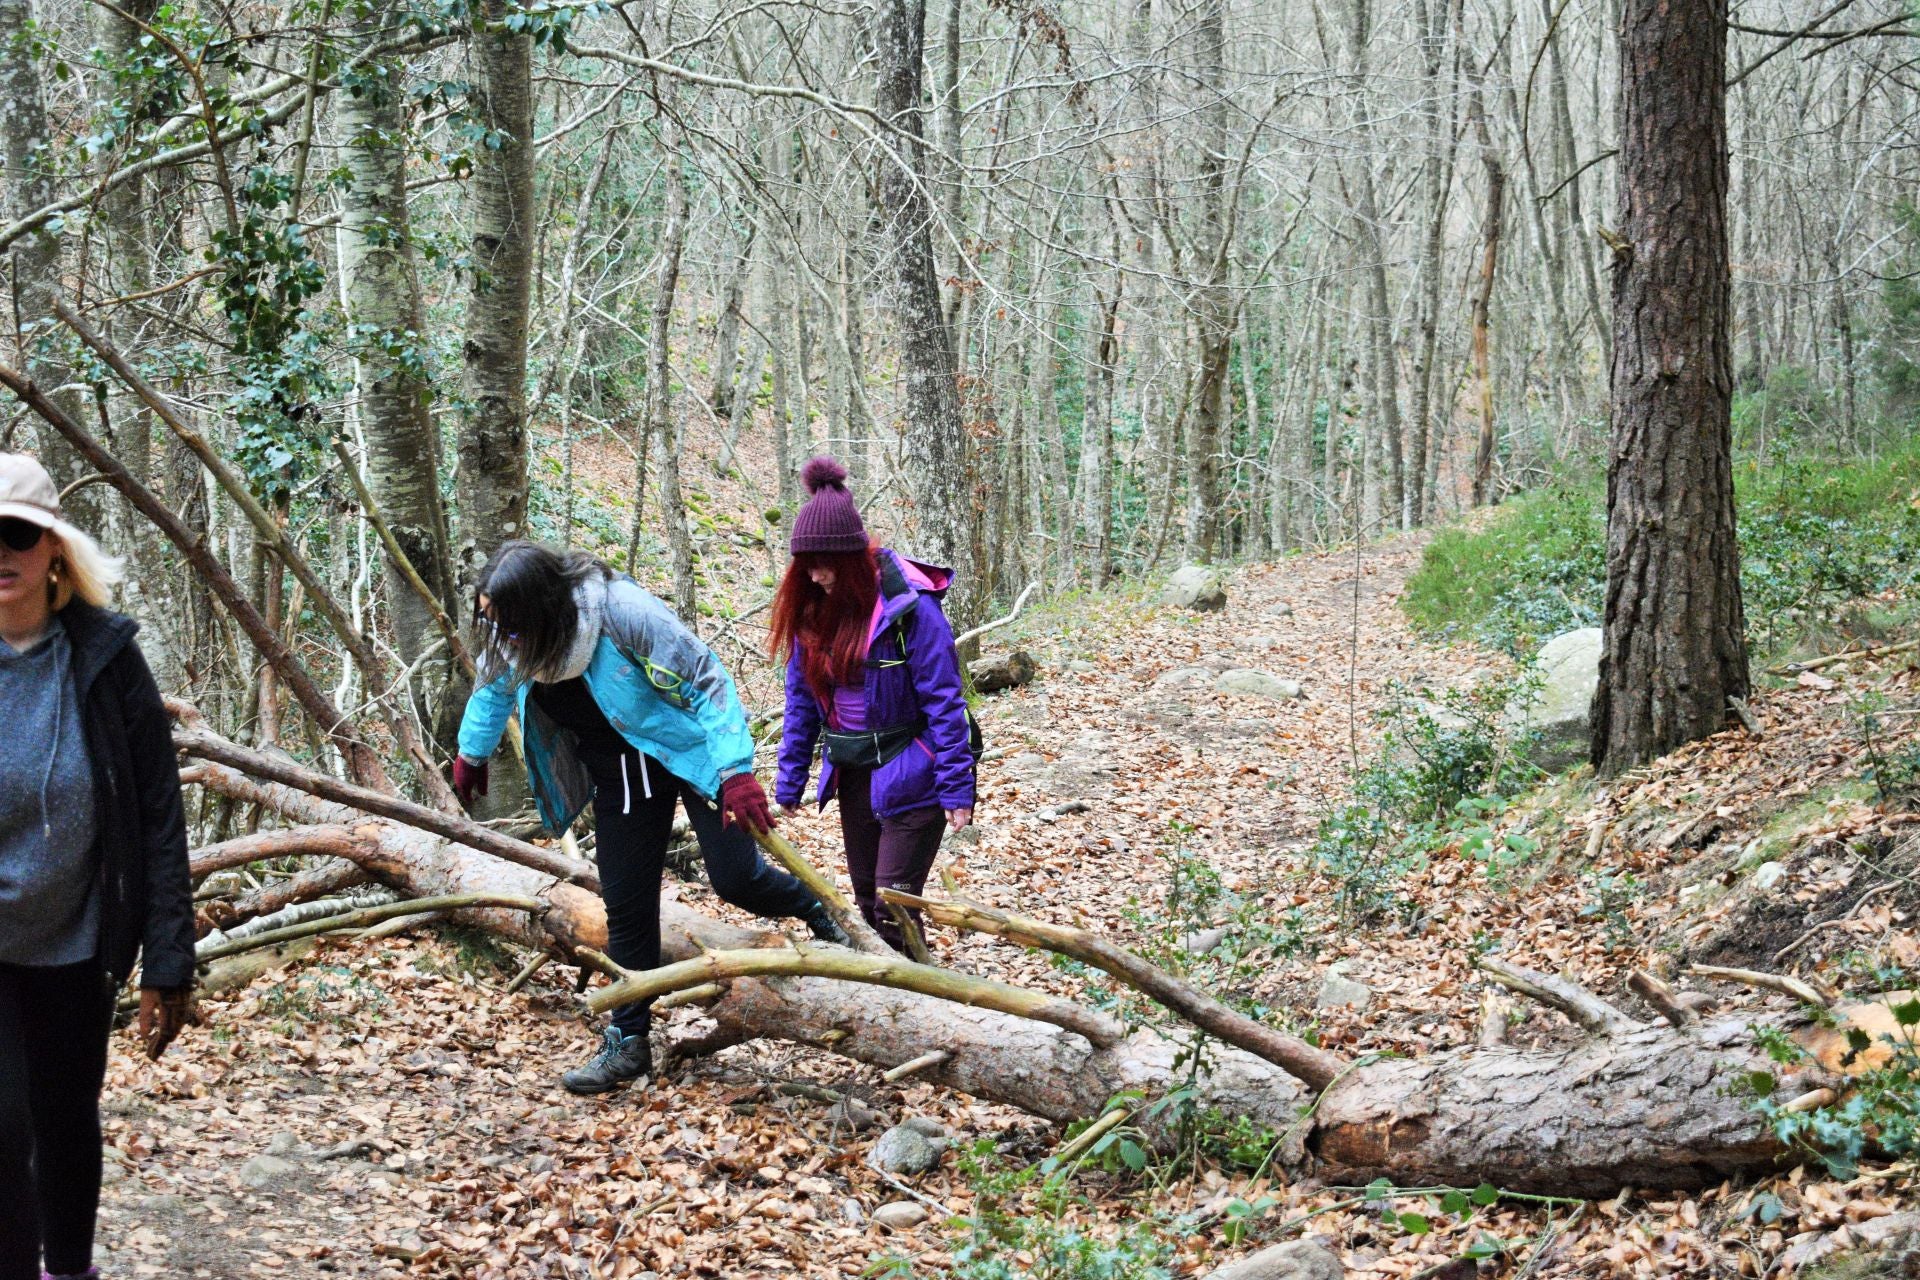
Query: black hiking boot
821	924
622	1058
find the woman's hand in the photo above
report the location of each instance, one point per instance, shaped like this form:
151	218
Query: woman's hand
469	779
744	801
958	818
164	1014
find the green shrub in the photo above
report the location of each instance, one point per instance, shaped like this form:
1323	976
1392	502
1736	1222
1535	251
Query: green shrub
1443	770
1880	1113
1815	534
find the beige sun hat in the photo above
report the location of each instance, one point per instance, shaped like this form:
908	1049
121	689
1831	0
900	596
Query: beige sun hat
27	492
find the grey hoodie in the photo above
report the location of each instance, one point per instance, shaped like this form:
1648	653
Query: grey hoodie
49	896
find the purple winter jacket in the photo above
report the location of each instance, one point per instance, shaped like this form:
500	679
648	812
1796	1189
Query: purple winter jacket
937	769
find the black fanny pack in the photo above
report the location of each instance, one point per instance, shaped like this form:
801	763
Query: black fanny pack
870	748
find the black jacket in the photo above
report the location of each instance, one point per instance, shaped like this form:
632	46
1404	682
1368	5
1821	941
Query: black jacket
146	893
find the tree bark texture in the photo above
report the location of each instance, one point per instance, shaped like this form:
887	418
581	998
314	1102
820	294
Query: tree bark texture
1675	646
934	449
381	290
26	148
493	445
1212	302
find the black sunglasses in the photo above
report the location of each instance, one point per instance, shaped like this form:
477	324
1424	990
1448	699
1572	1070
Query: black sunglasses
20	535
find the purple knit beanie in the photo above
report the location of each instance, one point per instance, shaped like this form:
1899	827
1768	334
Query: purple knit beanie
828	521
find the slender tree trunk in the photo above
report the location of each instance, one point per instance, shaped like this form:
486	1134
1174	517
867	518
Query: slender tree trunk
1382	368
1212	301
1490	225
726	335
493	443
27	148
935	456
1675	643
673	239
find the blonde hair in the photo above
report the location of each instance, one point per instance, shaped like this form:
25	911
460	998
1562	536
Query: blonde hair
81	569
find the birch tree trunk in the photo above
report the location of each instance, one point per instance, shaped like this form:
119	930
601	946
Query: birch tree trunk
493	444
380	289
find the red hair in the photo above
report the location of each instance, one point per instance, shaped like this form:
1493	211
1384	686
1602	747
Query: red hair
828	627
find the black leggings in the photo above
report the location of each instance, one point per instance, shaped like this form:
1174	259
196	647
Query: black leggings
53	1058
633	801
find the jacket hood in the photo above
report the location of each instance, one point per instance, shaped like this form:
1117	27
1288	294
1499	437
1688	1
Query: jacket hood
97	636
902	583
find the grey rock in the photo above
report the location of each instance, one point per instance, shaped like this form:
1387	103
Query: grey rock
899	1215
1196	587
1081	666
1201	941
1257	684
1294	1260
1279	609
1028	760
1767	875
852	1214
282	1144
905	1149
263	1171
1557	716
1258	642
1338	991
1181	677
926	1125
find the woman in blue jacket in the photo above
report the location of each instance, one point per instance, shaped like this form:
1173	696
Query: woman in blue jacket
620	705
871	668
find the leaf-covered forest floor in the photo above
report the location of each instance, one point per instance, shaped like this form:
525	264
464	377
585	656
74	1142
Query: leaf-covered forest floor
379	1107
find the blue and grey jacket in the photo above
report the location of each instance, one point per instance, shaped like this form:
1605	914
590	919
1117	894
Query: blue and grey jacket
659	687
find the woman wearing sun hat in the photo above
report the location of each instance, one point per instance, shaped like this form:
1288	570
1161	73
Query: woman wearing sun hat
872	669
93	869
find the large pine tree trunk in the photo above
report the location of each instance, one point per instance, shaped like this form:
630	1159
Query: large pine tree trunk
934	453
1675	647
493	444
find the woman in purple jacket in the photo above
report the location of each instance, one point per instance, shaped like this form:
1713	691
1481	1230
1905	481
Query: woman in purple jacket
871	668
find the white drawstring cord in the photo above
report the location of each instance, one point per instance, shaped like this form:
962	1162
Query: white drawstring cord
646	782
626	787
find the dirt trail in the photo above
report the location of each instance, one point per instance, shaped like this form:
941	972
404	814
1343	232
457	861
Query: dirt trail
449	1150
473	1160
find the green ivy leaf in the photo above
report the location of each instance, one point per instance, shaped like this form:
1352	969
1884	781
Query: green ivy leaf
1485	1194
1415	1224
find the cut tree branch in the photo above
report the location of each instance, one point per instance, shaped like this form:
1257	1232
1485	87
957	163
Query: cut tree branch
1098	1029
208	745
1312	1066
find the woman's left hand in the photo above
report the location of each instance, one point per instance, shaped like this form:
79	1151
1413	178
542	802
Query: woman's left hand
164	1014
958	818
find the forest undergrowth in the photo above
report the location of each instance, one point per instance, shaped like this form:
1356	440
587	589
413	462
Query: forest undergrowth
380	1107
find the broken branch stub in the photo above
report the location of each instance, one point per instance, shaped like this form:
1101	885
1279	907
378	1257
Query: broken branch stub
1581	1005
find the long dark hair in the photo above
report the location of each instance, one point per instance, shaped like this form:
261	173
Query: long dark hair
829	627
529	588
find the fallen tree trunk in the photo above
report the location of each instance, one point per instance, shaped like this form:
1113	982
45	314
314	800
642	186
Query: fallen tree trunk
1647	1107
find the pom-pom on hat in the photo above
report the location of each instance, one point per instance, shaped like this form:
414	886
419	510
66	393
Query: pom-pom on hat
828	521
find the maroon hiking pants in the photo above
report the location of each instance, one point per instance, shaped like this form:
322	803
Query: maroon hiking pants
885	853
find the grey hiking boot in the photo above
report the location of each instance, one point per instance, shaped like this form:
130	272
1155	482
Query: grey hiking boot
622	1058
821	924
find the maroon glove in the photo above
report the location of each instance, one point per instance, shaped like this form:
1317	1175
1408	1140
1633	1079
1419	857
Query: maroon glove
742	800
469	779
